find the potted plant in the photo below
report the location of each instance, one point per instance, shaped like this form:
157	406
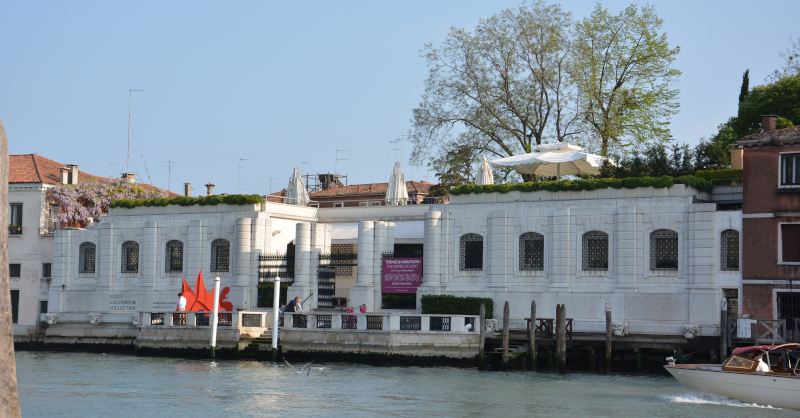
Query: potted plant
14	230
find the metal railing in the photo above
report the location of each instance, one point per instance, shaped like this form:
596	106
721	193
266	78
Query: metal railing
179	318
374	322
727	190
299	321
324	321
433	200
202	319
157	318
349	322
410	323
440	323
382	322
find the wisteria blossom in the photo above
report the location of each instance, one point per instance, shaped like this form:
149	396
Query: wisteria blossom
90	199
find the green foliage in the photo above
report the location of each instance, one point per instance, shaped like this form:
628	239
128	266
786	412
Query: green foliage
781	98
455	305
719	174
586	184
235	199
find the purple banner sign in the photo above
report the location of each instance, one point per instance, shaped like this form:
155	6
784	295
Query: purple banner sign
402	275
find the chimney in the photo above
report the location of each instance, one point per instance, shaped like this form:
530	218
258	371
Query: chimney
73	173
768	122
64	175
210	188
130	177
187	189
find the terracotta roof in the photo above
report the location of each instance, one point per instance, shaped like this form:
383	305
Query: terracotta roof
373	189
784	136
276	197
32	168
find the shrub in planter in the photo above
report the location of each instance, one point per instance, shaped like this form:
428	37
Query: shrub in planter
456	305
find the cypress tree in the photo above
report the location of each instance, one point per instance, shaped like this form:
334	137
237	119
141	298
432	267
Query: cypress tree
745	85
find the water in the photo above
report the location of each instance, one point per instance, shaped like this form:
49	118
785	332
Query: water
96	385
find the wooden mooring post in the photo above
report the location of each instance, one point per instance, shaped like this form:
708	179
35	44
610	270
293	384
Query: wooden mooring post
506	320
609	330
532	337
723	330
561	343
482	325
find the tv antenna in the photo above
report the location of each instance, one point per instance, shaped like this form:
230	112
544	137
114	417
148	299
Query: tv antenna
169	177
388	157
301	166
239	190
128	158
336	166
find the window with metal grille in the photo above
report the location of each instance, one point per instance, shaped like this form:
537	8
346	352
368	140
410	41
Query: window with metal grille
595	251
790	172
788	307
86	257
531	251
410	323
324	321
729	250
664	250
224	319
343	257
157	318
471	252
174	257
299	321
438	323
47	270
220	255
374	322
14	270
202	319
349	322
790	243
130	257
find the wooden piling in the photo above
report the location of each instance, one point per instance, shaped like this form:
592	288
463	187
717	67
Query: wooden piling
561	341
609	330
482	326
723	333
532	337
506	320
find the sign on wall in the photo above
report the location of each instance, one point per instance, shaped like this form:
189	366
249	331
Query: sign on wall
402	275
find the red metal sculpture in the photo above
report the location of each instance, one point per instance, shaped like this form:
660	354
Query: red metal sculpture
200	300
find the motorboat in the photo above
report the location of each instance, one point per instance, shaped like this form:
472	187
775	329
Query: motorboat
763	374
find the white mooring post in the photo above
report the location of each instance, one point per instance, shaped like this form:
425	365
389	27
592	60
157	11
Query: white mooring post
215	317
275	313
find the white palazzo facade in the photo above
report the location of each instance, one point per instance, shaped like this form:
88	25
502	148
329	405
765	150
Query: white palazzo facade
662	259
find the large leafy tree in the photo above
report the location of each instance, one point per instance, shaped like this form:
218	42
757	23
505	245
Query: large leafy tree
781	98
499	90
623	69
791	62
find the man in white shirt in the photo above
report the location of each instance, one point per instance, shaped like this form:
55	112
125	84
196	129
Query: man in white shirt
181	302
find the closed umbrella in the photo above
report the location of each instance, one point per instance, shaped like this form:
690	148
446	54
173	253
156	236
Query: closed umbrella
559	159
484	174
396	192
296	193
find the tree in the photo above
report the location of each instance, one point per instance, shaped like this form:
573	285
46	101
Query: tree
90	199
791	62
780	98
622	67
745	89
498	90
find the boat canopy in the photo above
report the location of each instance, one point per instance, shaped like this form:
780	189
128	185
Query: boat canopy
762	348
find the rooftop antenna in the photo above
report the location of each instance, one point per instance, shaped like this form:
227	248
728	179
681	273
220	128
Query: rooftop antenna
128	158
146	170
336	166
388	156
169	177
405	138
239	190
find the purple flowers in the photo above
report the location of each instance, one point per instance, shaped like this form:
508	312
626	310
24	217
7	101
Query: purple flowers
90	199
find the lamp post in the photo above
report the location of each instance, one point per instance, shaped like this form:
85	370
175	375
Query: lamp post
215	317
275	312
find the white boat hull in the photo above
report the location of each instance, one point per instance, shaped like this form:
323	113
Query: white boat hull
762	389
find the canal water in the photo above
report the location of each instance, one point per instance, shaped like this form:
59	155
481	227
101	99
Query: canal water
55	384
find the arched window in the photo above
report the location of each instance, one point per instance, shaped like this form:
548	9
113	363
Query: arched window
729	257
471	252
220	255
531	251
86	257
130	257
595	251
663	250
174	258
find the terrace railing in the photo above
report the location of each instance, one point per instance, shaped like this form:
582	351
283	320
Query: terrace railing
382	322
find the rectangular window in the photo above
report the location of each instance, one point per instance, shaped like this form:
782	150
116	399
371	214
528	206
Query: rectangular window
378	203
790	172
14	270
338	204
788	307
14	306
15	214
362	204
46	270
790	243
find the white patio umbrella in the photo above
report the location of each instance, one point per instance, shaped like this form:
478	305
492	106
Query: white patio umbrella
484	174
296	193
559	159
396	192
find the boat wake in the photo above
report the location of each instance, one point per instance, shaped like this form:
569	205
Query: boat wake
711	399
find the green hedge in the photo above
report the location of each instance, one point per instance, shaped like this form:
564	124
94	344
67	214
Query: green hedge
234	199
455	305
585	184
719	174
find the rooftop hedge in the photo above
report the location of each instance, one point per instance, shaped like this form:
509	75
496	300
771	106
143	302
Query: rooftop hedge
719	174
585	184
234	199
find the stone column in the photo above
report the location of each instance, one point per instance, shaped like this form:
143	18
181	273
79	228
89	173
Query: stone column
497	243
242	249
317	246
363	291
149	256
431	257
302	262
106	265
630	251
563	253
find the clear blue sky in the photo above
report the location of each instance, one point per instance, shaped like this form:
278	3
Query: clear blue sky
281	83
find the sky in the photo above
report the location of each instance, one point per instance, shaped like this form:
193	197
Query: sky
239	93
